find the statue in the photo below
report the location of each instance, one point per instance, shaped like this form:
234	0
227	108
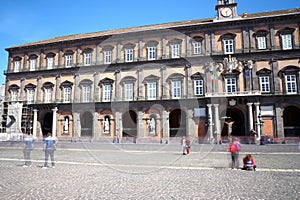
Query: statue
106	125
152	126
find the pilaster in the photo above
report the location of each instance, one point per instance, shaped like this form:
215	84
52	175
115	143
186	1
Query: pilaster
57	89
39	89
96	87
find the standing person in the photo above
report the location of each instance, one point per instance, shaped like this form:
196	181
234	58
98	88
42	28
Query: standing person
188	146
183	145
238	148
233	150
28	146
49	148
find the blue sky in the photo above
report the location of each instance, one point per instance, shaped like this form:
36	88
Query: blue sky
24	21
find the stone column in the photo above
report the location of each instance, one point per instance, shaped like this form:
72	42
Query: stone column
42	59
188	51
76	89
165	125
217	119
25	61
96	125
118	124
57	89
96	87
78	52
210	121
39	89
140	125
190	124
164	45
76	125
118	86
257	110
22	95
34	125
54	122
140	50
164	86
140	83
97	55
272	38
60	57
188	81
250	116
279	121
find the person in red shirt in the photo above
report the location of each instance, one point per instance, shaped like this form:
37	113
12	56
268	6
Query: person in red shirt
249	163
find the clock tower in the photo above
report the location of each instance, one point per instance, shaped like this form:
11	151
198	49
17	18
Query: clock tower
226	9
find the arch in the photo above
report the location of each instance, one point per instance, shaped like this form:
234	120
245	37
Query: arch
236	118
291	122
177	122
129	121
86	122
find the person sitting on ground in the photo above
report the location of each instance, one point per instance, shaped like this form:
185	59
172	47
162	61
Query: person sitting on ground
249	163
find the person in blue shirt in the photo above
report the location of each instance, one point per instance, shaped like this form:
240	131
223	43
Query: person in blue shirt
28	146
49	148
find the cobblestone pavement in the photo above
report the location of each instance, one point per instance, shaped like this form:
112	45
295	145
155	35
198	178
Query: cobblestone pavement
144	171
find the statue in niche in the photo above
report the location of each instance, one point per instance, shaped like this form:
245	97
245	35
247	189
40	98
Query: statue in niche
152	126
106	126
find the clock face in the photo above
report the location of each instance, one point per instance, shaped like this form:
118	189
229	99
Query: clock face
226	12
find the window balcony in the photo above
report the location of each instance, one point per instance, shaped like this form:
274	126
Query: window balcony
234	94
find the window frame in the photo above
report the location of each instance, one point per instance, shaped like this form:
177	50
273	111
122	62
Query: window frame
87	58
287	41
69	60
228	47
129	92
30	95
198	87
176	88
232	86
107	56
175	50
151	53
17	65
197	47
151	91
292	84
67	94
106	92
261	42
86	90
265	84
48	93
129	55
32	64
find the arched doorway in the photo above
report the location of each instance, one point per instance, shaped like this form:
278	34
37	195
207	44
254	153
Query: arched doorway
236	119
177	120
47	123
291	121
86	121
129	124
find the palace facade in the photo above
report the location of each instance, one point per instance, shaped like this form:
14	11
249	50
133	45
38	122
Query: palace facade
203	79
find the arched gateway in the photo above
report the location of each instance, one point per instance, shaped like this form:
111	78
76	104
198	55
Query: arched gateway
291	115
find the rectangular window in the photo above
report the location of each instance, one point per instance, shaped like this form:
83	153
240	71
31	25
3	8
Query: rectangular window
175	50
32	64
106	92
86	93
17	66
230	85
176	89
48	95
30	96
151	90
228	46
87	58
287	41
66	94
107	57
69	60
50	62
198	87
14	95
291	84
197	47
261	42
128	91
128	55
264	84
151	53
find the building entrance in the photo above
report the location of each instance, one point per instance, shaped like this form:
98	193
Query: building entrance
86	120
47	124
233	121
291	121
129	124
177	122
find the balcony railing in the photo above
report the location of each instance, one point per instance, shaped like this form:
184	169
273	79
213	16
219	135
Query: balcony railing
231	94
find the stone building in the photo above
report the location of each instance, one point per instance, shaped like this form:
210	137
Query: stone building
203	79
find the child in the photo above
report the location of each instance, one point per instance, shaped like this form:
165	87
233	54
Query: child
249	163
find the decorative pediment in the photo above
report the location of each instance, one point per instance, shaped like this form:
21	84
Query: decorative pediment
128	79
69	52
30	86
86	82
50	55
106	81
197	76
286	30
228	36
13	87
151	78
233	73
66	84
17	58
263	71
48	85
175	76
288	70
